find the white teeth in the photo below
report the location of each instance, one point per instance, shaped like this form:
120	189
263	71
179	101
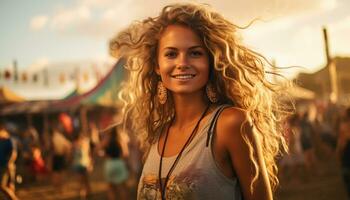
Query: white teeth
185	76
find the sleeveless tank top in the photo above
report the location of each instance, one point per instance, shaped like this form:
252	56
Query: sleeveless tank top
196	175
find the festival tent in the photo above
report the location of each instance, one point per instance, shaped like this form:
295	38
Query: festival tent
8	96
97	106
104	94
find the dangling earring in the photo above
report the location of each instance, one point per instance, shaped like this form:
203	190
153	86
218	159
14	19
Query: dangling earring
162	93
211	94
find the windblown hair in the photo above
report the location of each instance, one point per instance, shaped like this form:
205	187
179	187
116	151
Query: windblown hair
236	72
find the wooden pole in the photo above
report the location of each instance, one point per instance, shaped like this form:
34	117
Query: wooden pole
331	65
326	45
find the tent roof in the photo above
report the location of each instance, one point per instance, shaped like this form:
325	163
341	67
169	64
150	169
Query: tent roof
103	94
8	96
25	107
298	92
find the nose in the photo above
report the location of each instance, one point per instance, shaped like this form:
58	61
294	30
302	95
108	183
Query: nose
182	62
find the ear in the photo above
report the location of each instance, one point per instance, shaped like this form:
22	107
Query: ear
157	70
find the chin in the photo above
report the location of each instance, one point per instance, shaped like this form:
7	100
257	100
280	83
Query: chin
187	91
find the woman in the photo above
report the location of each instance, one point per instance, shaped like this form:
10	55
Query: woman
199	100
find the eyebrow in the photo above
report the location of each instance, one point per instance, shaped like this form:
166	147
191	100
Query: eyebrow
193	47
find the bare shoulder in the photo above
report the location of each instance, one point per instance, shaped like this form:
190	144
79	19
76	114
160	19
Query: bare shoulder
233	122
234	130
233	115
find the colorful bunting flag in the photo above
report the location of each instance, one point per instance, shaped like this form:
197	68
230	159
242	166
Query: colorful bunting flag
24	77
62	78
7	75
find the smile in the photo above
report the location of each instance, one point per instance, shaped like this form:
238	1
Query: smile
183	76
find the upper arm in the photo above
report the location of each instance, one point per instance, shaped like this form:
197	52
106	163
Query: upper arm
240	142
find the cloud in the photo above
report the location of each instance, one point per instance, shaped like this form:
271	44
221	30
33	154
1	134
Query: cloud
295	37
68	18
97	3
111	16
339	39
301	45
242	12
341	25
307	47
38	22
102	18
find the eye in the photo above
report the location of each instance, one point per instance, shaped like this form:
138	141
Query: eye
196	53
170	54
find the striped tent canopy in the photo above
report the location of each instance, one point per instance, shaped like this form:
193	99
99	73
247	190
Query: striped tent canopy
103	94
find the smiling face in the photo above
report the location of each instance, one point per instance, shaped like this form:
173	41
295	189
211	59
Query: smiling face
183	60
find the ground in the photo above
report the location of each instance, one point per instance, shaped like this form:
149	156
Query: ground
322	183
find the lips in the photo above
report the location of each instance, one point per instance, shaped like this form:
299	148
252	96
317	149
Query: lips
183	76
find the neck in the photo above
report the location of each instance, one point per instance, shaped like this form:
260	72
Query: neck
188	109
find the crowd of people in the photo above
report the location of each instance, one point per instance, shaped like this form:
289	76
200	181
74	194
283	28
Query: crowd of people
316	133
28	158
312	136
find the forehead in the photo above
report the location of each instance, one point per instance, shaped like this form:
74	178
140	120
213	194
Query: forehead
179	36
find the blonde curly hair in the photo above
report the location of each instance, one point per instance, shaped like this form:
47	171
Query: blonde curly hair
236	72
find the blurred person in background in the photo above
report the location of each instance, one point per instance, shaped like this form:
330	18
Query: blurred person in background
38	165
82	163
115	146
29	138
343	149
61	148
292	162
307	135
328	123
8	155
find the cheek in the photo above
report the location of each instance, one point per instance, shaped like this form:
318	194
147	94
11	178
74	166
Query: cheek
164	67
163	72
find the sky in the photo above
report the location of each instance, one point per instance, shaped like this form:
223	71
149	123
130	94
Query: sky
59	34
